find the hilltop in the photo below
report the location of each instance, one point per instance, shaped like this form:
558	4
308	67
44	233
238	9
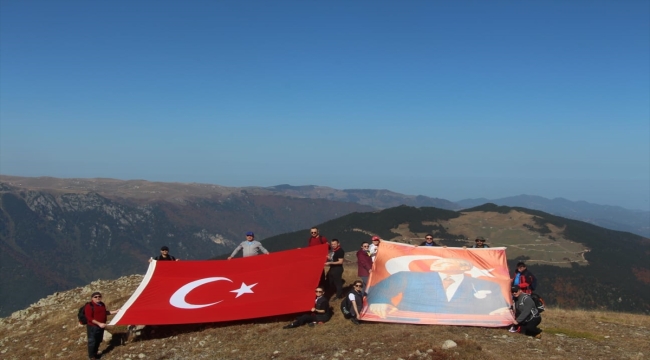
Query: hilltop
49	329
579	265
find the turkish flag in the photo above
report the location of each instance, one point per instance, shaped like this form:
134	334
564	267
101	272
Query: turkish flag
184	292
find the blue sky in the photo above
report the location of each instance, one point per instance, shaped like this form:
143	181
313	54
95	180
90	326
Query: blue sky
455	100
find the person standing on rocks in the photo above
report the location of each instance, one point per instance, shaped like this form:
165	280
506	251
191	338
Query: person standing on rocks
164	255
526	313
250	247
96	314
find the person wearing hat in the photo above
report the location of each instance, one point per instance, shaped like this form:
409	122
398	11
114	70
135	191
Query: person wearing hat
374	247
96	314
480	243
527	316
251	247
164	255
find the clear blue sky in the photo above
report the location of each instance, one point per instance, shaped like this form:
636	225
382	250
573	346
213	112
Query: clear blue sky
456	99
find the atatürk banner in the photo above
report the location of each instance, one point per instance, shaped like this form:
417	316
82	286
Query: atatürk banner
435	285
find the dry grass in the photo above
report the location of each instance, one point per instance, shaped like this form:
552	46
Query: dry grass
569	334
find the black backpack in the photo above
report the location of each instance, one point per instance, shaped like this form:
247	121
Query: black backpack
81	314
539	302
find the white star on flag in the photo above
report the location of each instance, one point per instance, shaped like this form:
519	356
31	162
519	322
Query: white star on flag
244	289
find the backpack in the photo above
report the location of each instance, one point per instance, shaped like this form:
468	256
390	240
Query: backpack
539	302
81	314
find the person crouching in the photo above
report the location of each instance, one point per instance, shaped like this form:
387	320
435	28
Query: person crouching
527	316
320	313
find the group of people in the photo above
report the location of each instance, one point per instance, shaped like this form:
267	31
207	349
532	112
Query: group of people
527	317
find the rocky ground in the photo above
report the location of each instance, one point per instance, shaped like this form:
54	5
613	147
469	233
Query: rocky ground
49	329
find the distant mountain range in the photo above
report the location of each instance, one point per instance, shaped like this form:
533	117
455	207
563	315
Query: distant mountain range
610	217
59	233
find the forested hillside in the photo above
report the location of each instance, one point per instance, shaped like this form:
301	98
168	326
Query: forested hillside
577	264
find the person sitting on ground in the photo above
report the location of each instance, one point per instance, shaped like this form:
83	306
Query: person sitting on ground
428	241
524	279
251	247
527	317
164	255
320	313
354	302
480	243
364	264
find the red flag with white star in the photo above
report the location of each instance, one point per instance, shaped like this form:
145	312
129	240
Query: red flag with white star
185	292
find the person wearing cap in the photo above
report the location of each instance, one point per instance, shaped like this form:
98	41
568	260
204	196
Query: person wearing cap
428	241
524	279
164	255
527	317
251	247
374	247
480	243
96	314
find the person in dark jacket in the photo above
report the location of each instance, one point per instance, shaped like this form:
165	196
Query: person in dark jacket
164	255
526	315
96	314
320	313
428	241
524	279
335	272
356	302
364	264
480	243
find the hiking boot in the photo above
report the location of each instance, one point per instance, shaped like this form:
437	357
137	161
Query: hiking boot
355	321
290	326
513	329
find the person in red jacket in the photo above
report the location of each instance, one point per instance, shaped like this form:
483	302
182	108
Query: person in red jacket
316	239
524	279
364	264
96	314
